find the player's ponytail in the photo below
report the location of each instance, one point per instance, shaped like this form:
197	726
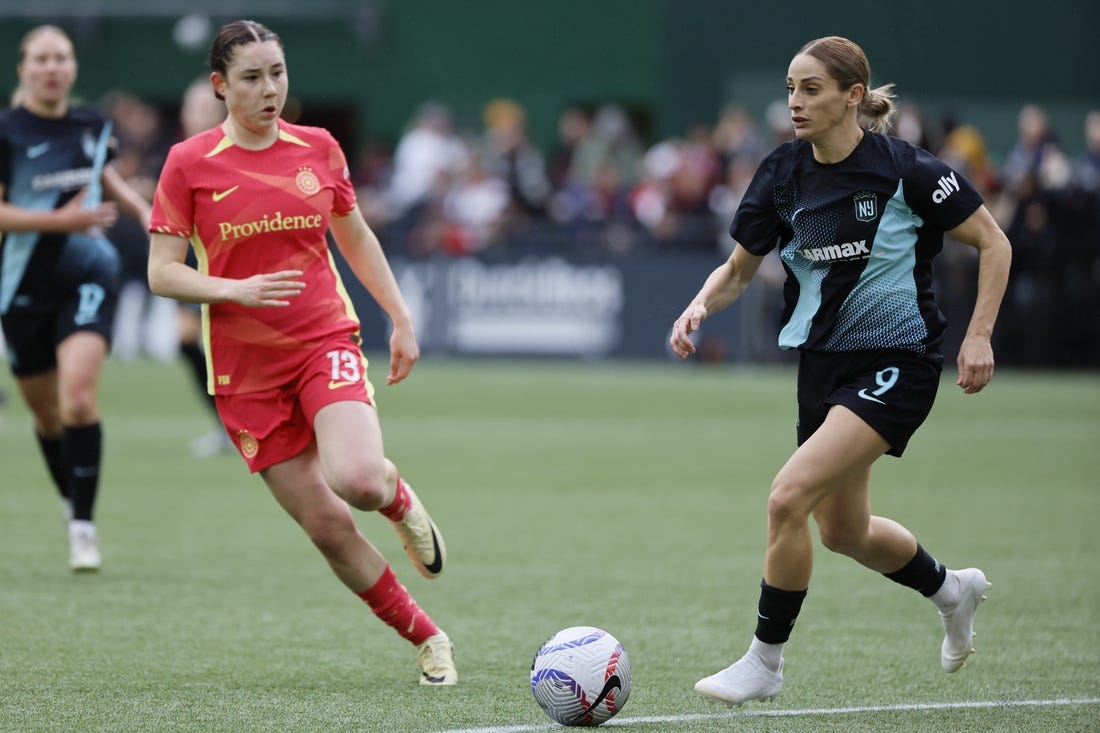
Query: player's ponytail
877	108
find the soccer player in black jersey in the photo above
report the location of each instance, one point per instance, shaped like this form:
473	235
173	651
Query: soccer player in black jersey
857	218
58	275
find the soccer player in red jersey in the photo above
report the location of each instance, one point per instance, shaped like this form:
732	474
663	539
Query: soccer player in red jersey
255	197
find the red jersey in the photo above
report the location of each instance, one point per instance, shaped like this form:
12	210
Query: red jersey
248	212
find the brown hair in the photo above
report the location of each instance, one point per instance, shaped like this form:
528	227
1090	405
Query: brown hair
845	61
231	35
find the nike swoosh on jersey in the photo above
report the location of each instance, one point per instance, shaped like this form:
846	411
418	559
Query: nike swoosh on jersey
37	150
219	195
337	385
863	393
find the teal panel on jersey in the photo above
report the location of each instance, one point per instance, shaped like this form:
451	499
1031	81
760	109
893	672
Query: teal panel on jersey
882	308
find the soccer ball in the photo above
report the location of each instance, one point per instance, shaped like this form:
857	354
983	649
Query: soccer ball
581	676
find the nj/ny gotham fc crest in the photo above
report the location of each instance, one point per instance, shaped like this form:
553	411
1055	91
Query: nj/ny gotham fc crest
866	205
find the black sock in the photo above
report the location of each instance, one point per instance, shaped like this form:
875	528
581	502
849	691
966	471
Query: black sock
196	362
82	448
923	574
51	451
778	610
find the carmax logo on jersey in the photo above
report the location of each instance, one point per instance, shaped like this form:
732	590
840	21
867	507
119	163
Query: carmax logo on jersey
276	223
836	252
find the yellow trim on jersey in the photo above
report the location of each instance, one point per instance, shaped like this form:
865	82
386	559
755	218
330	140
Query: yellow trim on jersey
287	137
224	143
203	262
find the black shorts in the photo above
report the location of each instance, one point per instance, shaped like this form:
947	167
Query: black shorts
892	391
33	334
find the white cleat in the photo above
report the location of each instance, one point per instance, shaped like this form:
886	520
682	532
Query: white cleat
84	554
745	680
421	538
958	644
437	661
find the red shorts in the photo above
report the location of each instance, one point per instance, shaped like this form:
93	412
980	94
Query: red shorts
274	425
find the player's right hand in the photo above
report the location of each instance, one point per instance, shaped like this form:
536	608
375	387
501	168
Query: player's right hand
269	290
74	216
687	324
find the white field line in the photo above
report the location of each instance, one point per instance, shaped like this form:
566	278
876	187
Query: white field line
763	713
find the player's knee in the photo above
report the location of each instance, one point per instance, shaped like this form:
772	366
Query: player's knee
362	484
787	503
78	406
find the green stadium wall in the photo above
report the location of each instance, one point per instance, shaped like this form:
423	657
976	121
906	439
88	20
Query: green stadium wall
365	66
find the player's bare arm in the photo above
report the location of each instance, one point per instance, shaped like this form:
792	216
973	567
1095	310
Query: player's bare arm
72	217
721	288
975	359
129	201
364	255
170	277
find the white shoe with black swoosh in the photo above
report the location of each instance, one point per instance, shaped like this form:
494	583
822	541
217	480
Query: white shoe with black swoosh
421	538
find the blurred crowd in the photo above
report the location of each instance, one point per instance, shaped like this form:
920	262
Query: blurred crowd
602	189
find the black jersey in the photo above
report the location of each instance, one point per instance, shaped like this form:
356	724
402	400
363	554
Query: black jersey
857	239
43	164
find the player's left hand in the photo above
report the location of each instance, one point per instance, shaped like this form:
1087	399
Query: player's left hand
404	353
975	364
688	323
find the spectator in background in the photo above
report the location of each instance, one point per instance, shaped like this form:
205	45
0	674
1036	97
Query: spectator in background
428	158
144	323
371	175
673	201
1087	171
594	204
573	125
475	211
508	154
735	135
1043	230
1034	144
1083	266
778	120
964	149
913	127
610	141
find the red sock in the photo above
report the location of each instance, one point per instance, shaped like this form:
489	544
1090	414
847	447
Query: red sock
392	603
400	504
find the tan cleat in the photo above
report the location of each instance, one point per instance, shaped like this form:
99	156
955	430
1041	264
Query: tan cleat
437	661
421	538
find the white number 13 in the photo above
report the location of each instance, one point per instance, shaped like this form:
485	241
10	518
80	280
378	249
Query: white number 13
345	365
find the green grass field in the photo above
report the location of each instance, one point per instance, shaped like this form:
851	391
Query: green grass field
629	497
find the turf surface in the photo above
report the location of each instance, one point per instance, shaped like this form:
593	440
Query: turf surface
624	496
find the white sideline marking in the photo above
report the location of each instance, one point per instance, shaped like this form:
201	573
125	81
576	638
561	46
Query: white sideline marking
795	713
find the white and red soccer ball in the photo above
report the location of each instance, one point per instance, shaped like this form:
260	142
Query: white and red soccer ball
581	676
